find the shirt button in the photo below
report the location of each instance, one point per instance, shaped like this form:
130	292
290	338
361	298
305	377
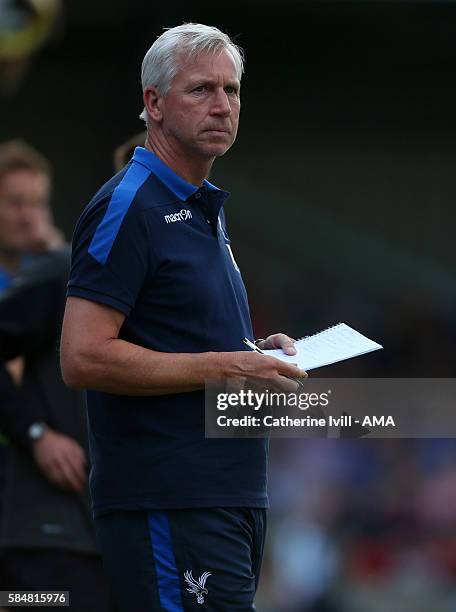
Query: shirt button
208	220
197	195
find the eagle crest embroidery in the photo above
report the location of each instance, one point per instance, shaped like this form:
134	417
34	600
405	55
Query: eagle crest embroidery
197	587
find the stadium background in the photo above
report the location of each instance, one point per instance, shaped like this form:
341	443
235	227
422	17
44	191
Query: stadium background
343	189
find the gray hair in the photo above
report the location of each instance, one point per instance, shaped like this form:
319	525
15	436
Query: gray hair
160	64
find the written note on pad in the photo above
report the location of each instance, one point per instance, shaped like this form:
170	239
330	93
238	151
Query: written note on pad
328	346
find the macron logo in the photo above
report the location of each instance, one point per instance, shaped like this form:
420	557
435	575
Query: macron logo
182	215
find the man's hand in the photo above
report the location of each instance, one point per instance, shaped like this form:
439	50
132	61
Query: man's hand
61	460
254	366
262	367
276	341
15	368
43	235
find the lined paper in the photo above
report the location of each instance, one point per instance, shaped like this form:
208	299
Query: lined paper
328	346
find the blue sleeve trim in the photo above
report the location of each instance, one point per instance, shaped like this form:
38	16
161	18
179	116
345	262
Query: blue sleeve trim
121	199
165	563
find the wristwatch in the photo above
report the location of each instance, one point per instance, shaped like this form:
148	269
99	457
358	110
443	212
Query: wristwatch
36	431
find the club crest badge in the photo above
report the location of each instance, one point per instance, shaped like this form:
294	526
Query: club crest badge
197	586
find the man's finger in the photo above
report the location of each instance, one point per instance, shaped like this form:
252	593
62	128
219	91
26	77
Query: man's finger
79	474
70	474
77	453
301	373
76	463
290	369
286	384
283	342
289	349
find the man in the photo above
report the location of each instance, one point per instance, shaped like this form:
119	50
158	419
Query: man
156	306
24	228
25	217
49	543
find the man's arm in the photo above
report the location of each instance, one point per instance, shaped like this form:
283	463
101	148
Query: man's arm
59	457
94	357
31	309
30	315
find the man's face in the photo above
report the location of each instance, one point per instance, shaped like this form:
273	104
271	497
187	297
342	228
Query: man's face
201	110
24	208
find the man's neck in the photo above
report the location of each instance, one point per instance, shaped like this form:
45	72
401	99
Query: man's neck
192	170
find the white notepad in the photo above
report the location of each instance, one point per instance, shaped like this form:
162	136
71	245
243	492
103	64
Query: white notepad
328	346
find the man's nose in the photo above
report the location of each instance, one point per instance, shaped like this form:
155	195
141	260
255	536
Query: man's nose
221	105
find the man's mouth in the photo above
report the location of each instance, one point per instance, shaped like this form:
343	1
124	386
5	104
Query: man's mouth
218	130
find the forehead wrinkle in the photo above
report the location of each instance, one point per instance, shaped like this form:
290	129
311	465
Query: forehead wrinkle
211	80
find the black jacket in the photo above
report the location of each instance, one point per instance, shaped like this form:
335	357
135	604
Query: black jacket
35	513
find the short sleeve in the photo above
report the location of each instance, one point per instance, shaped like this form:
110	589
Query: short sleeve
111	255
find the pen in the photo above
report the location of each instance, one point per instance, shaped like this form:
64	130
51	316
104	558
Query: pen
257	349
253	346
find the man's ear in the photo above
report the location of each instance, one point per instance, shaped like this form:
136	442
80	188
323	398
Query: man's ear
152	102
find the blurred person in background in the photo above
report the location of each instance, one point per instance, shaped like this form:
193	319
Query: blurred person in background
124	152
46	533
25	217
24	194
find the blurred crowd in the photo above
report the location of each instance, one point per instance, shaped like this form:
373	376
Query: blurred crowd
361	525
367	525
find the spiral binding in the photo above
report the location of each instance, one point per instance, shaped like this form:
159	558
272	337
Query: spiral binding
323	331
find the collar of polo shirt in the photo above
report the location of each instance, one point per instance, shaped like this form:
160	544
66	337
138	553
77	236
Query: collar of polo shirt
179	186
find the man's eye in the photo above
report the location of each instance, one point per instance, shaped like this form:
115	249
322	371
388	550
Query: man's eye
200	88
230	90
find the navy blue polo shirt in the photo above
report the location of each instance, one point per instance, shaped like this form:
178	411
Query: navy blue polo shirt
156	248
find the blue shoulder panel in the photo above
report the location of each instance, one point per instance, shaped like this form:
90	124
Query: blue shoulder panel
121	199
